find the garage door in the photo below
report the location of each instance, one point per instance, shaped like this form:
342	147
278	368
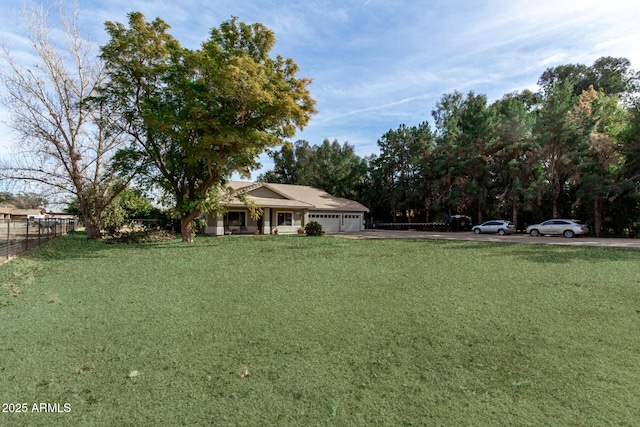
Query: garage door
330	222
352	222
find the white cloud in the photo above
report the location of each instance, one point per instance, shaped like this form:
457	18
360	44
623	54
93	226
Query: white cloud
377	64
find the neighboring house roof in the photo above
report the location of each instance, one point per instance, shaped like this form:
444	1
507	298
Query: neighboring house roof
62	215
12	210
295	196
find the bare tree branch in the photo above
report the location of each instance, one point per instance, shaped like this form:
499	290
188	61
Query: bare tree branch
64	142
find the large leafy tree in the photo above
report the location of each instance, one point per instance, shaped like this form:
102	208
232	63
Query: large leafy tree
337	169
331	166
626	207
598	118
613	76
24	200
577	129
610	75
198	116
291	164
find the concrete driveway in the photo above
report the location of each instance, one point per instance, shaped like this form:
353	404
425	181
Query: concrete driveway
514	238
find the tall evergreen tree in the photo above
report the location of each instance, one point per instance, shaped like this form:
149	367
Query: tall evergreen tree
514	152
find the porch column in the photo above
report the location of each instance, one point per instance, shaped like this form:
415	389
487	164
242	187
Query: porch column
266	221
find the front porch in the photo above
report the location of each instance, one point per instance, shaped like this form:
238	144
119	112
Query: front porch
239	221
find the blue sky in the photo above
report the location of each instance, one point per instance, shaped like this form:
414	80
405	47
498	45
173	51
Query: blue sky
376	64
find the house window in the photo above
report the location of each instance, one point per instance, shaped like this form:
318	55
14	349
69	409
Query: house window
285	218
234	219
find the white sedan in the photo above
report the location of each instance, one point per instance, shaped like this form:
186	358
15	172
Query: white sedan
566	227
494	226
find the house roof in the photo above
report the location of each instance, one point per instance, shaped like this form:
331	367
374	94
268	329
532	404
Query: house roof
296	196
12	210
272	203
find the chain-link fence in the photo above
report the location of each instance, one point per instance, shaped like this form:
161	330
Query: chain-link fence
18	236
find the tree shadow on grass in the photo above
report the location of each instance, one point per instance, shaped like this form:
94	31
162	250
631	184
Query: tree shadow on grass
75	245
71	245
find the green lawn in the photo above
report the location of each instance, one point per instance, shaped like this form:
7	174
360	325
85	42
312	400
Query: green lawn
292	330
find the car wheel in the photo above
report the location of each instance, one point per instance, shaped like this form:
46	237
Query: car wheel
534	233
568	234
501	232
477	231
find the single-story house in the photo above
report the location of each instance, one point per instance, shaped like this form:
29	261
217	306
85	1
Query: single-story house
62	215
8	211
286	208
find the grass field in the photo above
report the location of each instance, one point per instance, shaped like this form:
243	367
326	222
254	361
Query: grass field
292	330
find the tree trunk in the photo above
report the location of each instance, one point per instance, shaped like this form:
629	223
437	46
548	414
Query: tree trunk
50	109
480	208
427	209
186	230
186	226
91	221
597	221
93	230
514	215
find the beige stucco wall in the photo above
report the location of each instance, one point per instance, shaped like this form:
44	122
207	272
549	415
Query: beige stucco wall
265	192
300	217
215	223
297	220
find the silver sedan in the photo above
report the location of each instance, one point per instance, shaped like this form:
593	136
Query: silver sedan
494	226
566	227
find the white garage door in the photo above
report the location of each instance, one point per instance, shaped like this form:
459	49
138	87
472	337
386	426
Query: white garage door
330	222
352	222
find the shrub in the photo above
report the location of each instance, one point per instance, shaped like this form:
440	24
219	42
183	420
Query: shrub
313	229
143	236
